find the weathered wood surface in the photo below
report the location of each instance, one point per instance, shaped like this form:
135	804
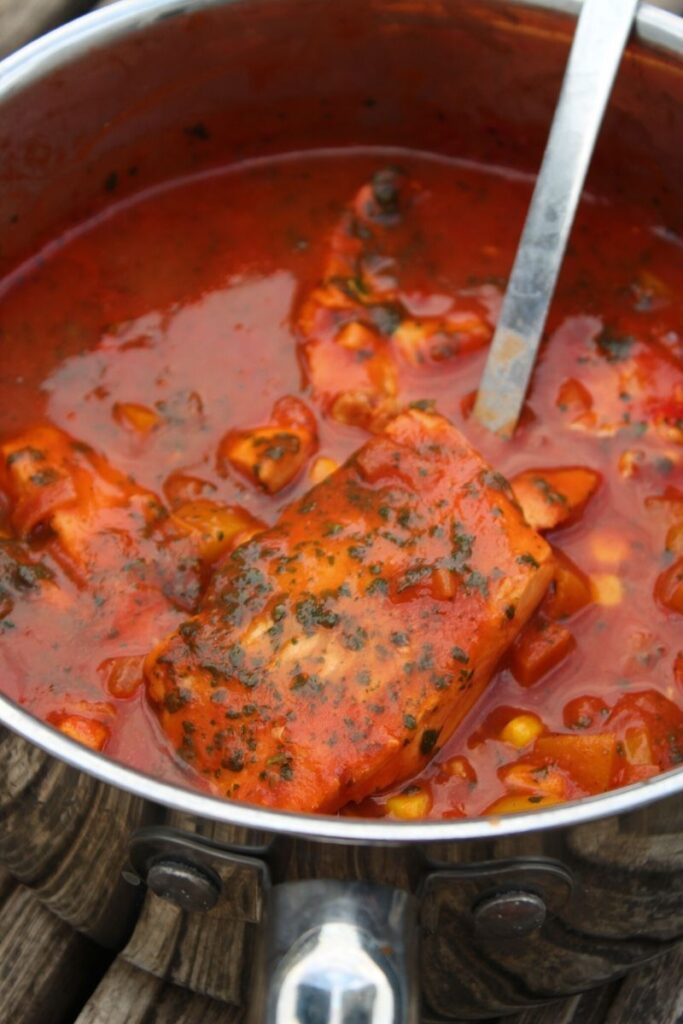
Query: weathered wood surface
23	20
651	995
129	996
46	969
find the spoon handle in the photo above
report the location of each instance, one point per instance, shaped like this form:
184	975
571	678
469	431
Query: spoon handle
601	35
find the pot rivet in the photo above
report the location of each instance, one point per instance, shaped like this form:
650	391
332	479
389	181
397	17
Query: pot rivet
509	915
186	885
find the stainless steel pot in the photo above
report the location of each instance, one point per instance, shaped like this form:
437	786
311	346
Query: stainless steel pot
490	915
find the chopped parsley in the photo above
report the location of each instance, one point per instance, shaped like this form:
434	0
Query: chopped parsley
528	559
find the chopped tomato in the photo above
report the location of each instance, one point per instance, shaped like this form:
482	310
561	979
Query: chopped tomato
678	669
139	418
87	731
273	456
656	720
519	804
573	397
570	590
669	588
539	649
585	712
534	777
122	676
589	759
459	767
215	528
554	497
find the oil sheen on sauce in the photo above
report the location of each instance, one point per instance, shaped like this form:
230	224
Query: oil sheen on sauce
186	301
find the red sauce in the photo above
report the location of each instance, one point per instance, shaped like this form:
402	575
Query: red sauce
187	303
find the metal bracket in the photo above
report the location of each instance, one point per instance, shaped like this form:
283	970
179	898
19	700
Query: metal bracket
505	899
197	874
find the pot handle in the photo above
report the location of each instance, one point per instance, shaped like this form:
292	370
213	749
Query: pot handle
337	953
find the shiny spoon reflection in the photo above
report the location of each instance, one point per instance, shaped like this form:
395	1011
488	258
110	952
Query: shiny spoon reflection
601	35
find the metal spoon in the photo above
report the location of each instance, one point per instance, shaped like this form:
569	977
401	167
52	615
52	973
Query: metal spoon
601	35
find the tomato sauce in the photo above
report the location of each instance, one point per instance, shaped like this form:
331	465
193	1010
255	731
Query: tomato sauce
180	317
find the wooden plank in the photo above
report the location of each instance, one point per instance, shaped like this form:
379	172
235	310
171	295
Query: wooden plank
589	1008
651	994
46	968
23	20
7	885
129	996
208	954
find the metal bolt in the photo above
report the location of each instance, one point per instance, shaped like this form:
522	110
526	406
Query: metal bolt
509	915
186	885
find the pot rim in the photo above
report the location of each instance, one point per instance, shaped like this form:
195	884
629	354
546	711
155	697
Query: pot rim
654	27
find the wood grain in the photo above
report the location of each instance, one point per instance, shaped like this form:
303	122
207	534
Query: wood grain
7	885
23	20
46	968
129	996
653	994
208	956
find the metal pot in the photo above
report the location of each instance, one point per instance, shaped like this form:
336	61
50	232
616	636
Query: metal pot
491	915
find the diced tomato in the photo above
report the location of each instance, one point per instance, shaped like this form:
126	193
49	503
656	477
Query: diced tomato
139	418
540	647
632	773
215	528
589	759
570	590
122	676
669	588
674	539
659	718
459	767
467	403
637	745
554	497
273	455
356	336
358	408
518	804
585	712
87	731
181	487
631	462
678	669
573	397
667	507
422	342
534	778
292	412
